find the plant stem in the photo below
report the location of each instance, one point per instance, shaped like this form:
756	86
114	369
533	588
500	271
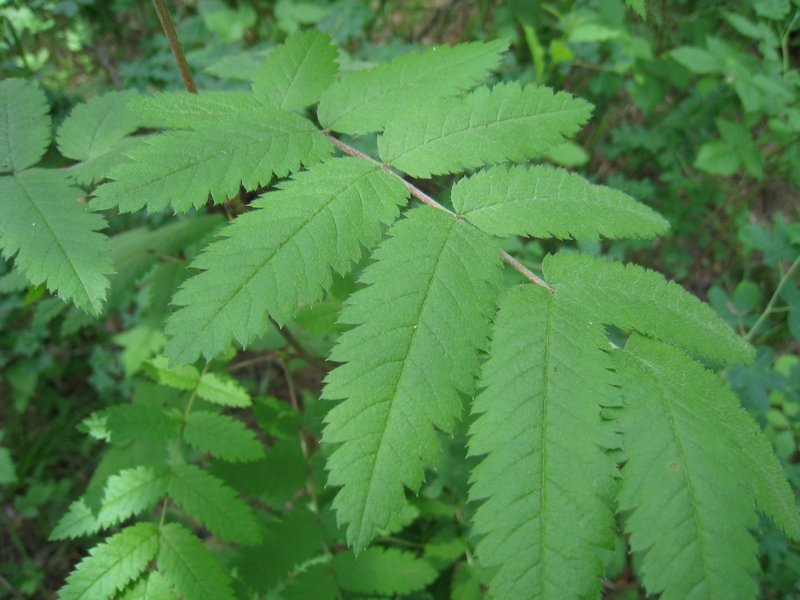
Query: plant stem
322	365
418	193
175	44
18	44
771	304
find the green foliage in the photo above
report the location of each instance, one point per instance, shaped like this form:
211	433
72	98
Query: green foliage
565	409
52	238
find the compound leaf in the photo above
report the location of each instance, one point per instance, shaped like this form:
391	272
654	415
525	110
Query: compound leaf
244	148
273	258
420	324
24	125
131	422
212	503
546	481
54	238
222	436
682	434
385	571
296	73
365	101
111	565
506	123
631	297
130	492
546	202
190	567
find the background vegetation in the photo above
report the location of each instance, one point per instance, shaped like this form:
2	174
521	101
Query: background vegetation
696	114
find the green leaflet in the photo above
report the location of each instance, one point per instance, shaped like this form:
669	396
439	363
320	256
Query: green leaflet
384	571
179	168
187	111
273	258
543	201
190	567
213	387
131	422
24	125
77	521
365	101
130	492
153	586
93	131
546	481
222	436
53	239
506	123
111	565
421	321
213	504
632	298
683	433
295	74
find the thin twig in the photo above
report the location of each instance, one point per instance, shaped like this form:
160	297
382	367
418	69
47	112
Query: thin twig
418	193
322	365
529	275
771	304
175	44
415	191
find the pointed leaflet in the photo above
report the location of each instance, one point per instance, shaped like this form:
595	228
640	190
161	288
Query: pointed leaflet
222	436
295	74
546	481
24	125
364	101
130	492
243	148
632	298
506	123
190	567
111	565
54	238
218	388
272	259
213	504
385	571
78	521
546	202
420	324
93	131
686	482
153	586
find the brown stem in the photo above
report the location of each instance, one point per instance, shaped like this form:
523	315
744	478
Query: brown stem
529	275
175	44
322	365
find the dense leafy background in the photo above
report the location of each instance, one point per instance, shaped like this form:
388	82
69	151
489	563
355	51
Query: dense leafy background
696	114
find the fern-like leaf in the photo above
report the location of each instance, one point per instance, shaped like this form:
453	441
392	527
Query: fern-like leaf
92	134
546	202
212	503
296	73
420	323
681	433
222	436
384	571
186	111
245	147
24	125
190	567
364	101
506	123
53	239
631	297
273	258
130	492
546	481
111	565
